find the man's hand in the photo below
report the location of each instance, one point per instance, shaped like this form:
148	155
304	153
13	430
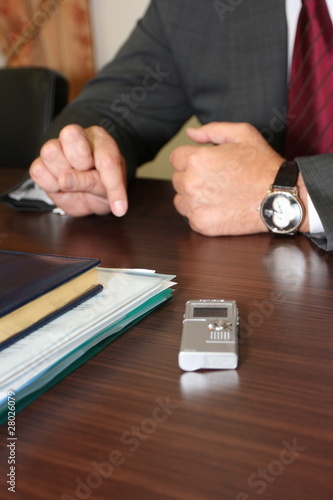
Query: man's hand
83	172
220	185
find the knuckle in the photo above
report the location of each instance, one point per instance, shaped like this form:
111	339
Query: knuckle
36	169
50	150
191	188
88	181
204	226
193	161
69	130
246	128
199	158
97	131
108	160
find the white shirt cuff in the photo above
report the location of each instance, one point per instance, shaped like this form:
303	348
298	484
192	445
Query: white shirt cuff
314	220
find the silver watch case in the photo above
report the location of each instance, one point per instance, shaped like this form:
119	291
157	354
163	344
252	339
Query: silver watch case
281	210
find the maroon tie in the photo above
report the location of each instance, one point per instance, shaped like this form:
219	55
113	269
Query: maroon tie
310	98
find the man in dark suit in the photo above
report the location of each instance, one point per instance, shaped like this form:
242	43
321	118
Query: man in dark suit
226	63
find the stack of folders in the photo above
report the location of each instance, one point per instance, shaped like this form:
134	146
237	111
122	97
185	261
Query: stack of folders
49	335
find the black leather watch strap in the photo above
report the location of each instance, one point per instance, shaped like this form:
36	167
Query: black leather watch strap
287	175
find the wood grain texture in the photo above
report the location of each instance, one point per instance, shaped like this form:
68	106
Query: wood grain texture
156	433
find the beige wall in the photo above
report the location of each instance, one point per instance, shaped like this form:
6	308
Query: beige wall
160	167
112	21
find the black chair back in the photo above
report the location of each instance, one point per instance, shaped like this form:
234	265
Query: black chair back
30	97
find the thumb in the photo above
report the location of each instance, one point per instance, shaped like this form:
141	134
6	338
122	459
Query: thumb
87	181
90	182
222	132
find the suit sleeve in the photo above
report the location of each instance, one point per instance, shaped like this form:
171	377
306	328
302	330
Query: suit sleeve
138	97
317	172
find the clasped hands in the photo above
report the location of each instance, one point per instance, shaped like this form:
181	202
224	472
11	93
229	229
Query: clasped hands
219	182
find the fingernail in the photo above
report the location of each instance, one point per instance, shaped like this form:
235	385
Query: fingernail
119	208
68	181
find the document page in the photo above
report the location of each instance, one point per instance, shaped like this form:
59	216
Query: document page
126	295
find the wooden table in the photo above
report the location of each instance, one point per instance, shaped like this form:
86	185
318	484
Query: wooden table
129	424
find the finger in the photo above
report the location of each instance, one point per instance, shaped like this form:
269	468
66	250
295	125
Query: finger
53	158
80	204
77	147
88	181
43	177
112	169
114	180
223	132
95	147
177	180
180	156
180	205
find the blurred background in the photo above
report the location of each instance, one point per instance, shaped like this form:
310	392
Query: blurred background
75	37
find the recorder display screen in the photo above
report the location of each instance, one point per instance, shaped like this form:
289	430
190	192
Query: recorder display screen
210	312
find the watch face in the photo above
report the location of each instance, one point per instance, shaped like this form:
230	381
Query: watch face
281	212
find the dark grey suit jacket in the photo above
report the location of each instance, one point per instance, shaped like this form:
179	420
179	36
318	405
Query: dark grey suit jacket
220	61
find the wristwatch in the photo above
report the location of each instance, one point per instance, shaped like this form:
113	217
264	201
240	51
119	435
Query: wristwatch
282	210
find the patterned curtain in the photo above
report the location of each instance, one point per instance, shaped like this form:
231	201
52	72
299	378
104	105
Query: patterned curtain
50	33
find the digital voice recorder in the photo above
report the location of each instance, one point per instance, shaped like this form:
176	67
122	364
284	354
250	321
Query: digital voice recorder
210	335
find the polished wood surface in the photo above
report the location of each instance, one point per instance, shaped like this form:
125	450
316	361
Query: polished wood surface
129	424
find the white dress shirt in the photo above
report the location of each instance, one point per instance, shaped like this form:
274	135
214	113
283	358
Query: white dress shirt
293	8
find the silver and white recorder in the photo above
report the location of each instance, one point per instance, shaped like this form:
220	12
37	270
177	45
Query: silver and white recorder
210	335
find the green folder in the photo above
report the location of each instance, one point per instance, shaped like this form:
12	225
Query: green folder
66	343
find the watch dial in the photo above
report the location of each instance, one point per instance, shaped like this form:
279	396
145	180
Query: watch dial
281	212
284	212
